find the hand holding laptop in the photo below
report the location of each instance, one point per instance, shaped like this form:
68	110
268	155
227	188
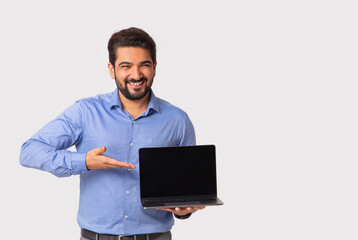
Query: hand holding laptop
182	211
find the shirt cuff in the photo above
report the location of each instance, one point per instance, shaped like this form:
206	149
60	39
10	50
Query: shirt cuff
182	217
78	161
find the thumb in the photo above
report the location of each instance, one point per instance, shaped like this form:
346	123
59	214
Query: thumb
100	150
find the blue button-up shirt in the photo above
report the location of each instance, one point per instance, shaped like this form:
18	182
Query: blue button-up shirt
109	199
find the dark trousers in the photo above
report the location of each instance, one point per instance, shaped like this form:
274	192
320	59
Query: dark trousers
154	236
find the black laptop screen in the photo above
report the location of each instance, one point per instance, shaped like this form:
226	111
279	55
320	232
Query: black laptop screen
177	171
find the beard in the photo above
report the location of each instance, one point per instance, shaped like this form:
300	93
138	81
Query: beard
137	95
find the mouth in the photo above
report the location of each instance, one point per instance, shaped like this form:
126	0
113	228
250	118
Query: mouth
136	84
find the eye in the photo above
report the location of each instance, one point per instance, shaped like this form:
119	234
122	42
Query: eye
125	66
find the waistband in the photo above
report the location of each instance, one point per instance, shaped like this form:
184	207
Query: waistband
97	236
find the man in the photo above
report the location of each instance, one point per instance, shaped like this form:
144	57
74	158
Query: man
107	131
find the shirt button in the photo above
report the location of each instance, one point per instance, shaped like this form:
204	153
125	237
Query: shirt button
125	216
134	122
131	144
127	192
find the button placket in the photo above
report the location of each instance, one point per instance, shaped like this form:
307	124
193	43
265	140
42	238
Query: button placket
131	149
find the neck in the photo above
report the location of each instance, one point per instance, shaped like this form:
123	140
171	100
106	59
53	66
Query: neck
134	107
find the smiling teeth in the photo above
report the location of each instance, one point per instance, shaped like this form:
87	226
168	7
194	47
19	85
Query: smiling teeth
137	84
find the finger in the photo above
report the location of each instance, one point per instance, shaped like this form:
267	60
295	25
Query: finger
183	209
126	165
100	150
117	164
197	208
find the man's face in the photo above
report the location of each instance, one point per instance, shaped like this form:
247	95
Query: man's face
133	72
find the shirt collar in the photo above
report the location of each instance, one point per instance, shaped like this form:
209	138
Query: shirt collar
116	102
153	103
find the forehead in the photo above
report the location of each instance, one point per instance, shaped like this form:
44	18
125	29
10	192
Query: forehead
132	54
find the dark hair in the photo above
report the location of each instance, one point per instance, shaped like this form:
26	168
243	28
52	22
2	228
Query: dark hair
131	37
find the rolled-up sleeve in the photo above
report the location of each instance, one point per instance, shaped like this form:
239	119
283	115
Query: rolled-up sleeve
47	149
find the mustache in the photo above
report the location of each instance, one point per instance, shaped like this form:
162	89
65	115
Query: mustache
132	80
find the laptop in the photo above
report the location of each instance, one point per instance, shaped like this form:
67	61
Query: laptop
178	176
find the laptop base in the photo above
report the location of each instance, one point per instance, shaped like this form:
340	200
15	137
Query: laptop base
152	204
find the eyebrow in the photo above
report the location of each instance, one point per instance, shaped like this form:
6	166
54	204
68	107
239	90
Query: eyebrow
146	62
129	63
124	63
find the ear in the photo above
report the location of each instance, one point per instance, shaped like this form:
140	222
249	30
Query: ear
155	67
111	70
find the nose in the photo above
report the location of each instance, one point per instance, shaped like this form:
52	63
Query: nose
136	74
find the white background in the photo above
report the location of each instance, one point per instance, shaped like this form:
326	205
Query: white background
272	83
